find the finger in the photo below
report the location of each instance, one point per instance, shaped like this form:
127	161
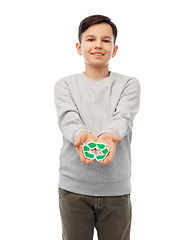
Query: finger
105	161
82	159
88	161
116	138
77	141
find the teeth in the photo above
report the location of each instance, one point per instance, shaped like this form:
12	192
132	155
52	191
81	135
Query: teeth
98	54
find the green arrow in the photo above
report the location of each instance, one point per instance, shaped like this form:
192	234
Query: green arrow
92	145
86	148
105	151
101	146
100	157
89	155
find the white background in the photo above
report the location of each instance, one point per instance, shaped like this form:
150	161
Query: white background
156	45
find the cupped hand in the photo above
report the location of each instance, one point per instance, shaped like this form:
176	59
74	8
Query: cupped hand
83	137
110	139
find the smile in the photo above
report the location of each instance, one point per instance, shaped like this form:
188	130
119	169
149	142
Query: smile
97	54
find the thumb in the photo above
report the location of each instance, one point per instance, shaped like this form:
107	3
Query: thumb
77	141
116	138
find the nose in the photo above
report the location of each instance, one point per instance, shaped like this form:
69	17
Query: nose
98	45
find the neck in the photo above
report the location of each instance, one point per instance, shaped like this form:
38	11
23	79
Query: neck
95	73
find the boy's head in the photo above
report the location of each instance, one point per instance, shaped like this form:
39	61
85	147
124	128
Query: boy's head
97	36
93	20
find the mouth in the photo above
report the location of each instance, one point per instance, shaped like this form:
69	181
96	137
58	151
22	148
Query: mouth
97	54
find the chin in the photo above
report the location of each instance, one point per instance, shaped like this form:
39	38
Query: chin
96	65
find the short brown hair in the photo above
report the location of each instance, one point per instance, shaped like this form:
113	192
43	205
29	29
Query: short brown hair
95	19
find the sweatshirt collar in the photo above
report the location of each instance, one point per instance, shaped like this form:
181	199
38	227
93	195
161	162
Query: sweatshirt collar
96	82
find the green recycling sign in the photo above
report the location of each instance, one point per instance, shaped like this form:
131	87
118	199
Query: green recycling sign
102	147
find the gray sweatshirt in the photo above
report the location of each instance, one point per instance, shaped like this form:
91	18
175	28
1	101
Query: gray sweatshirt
109	105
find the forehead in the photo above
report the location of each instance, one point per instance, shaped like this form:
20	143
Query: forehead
101	29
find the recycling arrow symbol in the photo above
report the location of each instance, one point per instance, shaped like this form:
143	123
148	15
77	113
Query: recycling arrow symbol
87	150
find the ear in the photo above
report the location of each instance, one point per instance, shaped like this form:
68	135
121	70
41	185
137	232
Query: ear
78	47
115	49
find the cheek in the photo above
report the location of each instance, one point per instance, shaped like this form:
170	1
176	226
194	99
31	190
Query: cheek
86	50
109	50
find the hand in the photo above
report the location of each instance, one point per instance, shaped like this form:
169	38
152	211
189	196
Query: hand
83	137
110	139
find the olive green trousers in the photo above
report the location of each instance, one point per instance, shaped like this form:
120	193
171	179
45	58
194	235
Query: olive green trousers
111	216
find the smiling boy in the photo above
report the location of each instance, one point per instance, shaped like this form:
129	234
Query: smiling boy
96	106
97	57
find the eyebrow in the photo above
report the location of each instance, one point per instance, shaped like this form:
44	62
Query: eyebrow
94	36
107	37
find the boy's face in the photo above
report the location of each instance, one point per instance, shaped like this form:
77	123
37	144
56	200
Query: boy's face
97	45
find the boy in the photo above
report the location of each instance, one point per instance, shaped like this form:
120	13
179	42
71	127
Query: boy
96	106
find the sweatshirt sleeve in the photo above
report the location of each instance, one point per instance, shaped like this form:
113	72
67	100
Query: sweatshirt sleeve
121	122
69	120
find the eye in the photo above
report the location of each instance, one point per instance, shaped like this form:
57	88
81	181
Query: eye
106	40
90	40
